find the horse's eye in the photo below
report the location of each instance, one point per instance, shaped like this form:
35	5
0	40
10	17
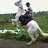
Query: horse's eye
17	2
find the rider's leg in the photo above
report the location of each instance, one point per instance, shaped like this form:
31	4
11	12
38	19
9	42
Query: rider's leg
27	16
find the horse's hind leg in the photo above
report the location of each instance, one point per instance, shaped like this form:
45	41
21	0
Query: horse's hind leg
36	36
31	35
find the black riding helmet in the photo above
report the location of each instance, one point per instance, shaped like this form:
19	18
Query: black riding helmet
27	4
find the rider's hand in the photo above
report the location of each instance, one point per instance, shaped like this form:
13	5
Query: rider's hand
25	9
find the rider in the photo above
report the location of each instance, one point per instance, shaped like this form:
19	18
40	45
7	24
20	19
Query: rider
29	12
28	16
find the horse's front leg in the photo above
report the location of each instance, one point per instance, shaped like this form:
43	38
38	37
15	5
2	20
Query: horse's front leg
17	25
13	20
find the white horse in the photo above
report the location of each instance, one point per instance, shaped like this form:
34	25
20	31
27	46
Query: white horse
31	25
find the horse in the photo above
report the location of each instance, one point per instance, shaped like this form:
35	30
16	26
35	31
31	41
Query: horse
31	25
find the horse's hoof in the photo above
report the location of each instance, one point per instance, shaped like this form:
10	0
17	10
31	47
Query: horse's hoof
18	27
28	44
33	41
14	25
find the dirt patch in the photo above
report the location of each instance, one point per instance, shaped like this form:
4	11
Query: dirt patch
7	43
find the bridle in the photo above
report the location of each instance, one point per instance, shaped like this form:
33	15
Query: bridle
18	6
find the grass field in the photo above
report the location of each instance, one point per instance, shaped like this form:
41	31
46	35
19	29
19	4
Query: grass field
5	23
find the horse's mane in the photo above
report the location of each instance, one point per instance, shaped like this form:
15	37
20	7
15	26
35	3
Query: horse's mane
22	10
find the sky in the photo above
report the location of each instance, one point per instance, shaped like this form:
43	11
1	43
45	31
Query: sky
7	6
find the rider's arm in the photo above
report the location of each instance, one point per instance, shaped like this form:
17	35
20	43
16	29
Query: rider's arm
26	11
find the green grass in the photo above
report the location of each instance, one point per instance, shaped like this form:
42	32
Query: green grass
6	26
23	35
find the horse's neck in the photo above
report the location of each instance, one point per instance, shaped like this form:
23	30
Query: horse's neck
20	9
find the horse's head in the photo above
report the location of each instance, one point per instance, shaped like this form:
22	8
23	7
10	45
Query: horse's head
19	3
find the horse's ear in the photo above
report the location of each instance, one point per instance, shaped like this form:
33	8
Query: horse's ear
20	0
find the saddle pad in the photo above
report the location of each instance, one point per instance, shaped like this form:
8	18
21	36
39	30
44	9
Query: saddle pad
24	21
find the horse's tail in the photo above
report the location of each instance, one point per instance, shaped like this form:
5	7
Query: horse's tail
43	34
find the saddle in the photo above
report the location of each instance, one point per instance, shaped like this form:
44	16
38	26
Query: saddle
23	20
